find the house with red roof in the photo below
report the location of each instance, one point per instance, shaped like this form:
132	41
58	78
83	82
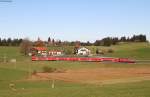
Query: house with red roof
55	53
39	51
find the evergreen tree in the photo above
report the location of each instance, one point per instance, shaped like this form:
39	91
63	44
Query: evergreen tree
4	42
49	39
9	41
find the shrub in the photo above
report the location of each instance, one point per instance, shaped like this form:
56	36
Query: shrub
110	51
47	69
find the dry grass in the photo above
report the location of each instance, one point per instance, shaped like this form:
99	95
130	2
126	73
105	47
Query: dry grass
98	76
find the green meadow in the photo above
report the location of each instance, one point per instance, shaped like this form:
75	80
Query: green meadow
18	73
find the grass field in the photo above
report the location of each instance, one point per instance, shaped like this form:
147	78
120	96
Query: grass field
18	73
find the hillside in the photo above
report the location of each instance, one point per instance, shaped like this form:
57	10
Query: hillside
124	50
70	82
127	50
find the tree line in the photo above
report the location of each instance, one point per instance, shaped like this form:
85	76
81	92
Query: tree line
10	42
115	40
108	41
52	42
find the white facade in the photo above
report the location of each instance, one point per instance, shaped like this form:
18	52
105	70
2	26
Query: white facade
53	53
83	51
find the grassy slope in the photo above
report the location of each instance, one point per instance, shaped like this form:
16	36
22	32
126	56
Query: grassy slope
133	50
12	72
127	50
130	50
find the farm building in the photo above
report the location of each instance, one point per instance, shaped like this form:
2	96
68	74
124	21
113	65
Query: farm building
83	51
39	50
55	53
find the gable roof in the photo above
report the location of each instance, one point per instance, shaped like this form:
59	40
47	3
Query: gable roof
54	51
40	48
83	48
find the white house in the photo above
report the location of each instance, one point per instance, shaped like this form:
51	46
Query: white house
55	53
83	51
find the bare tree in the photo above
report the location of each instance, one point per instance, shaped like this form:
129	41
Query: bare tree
25	46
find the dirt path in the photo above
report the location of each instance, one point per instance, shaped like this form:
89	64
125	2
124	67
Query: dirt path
100	75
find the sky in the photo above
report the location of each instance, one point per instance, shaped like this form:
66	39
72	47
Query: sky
84	20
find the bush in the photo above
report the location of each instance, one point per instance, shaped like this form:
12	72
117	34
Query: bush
110	51
47	69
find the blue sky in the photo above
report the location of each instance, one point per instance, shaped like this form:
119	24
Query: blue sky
84	20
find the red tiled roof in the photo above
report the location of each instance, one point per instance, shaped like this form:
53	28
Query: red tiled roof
40	48
55	51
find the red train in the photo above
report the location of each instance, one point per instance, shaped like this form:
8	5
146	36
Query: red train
87	59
